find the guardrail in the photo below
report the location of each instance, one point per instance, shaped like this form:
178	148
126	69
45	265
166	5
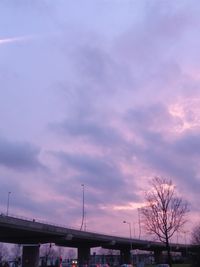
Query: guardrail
71	227
62	225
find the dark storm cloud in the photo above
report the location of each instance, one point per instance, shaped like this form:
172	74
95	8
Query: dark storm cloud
19	155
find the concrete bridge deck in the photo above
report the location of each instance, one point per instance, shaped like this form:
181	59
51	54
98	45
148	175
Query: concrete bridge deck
24	231
32	232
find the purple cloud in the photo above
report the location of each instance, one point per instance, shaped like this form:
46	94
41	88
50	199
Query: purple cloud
108	103
19	156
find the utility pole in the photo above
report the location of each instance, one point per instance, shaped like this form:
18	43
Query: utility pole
129	224
139	223
83	206
8	203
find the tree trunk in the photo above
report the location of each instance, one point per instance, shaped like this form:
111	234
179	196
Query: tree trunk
168	252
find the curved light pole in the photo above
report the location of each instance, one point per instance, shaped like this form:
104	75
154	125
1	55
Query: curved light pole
83	206
8	203
129	224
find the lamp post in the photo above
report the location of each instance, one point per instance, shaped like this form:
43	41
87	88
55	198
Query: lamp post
8	203
134	235
185	232
139	223
83	205
129	224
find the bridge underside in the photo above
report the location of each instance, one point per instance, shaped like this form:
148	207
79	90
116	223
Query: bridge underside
14	230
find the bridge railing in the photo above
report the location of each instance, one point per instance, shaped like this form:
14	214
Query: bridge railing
39	220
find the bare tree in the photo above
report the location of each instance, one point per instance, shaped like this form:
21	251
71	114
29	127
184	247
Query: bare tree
4	252
164	212
71	254
196	235
47	251
16	251
60	251
196	241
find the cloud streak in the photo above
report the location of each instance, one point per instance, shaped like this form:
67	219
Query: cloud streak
9	40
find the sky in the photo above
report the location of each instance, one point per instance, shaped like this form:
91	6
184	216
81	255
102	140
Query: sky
100	93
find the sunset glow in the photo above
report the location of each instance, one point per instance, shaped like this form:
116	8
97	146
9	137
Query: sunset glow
100	93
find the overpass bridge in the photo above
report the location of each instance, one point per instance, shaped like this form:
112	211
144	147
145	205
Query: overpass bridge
32	233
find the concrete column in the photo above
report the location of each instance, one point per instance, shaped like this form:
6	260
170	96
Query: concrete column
30	256
158	256
125	255
184	253
83	255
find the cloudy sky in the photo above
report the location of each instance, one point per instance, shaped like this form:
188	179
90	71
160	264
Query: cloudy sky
104	93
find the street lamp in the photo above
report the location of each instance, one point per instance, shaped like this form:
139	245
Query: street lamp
185	232
129	224
83	205
8	203
139	222
134	236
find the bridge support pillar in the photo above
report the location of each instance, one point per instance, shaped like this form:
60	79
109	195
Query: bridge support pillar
158	256
184	253
30	256
83	254
125	255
